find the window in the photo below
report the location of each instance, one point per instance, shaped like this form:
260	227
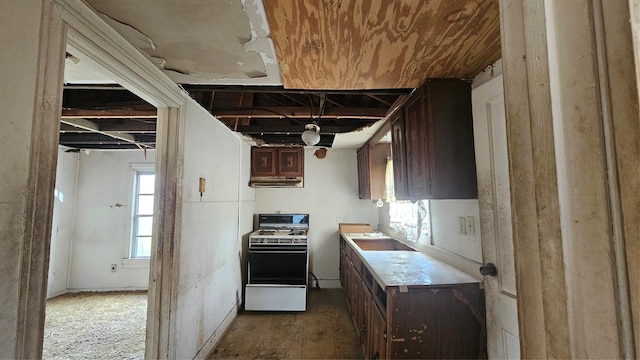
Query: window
142	214
411	219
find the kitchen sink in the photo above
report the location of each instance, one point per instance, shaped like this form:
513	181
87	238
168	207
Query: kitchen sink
370	244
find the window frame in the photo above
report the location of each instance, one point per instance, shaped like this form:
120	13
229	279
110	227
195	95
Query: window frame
421	238
138	170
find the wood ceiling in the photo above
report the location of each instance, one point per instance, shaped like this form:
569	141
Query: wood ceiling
343	63
380	44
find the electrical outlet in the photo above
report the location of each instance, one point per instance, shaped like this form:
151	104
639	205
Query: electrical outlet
463	225
471	225
114	267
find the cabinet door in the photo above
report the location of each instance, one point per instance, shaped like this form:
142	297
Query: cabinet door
399	160
364	175
450	121
418	152
356	302
343	265
290	161
367	304
378	336
263	161
348	268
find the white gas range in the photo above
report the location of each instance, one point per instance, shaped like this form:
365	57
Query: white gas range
278	264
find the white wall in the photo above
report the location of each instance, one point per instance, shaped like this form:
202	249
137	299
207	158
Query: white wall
210	272
102	224
18	72
62	224
463	251
445	226
329	196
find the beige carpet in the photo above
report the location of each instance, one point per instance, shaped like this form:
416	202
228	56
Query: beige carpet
95	325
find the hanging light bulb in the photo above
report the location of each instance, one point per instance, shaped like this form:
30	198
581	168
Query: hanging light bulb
311	136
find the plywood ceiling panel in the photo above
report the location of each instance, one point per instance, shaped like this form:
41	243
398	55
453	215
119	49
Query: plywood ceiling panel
378	44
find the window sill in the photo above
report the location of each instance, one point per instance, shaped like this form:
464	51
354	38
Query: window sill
135	263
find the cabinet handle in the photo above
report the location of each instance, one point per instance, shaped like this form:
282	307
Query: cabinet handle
384	335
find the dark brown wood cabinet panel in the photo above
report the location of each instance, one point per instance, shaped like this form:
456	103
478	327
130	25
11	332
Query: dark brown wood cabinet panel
275	161
364	173
366	314
372	163
290	161
453	164
418	147
416	321
433	148
399	157
377	333
437	323
263	161
356	302
343	265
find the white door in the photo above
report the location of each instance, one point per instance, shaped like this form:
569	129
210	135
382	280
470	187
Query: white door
495	216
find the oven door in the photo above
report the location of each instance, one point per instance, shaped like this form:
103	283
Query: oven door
285	265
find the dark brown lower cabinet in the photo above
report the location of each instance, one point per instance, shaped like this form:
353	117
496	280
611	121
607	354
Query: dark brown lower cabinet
413	322
437	323
377	334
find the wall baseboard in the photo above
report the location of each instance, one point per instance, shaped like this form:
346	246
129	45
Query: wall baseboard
107	289
217	335
326	284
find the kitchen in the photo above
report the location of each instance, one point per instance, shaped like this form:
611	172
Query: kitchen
194	282
213	211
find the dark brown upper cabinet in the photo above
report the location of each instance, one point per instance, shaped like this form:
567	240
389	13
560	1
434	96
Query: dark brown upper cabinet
433	147
399	156
372	162
290	161
277	161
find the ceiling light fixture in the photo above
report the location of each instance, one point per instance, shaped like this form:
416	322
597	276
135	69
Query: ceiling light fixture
311	136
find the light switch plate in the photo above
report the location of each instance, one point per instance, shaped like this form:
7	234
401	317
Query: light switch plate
471	225
463	225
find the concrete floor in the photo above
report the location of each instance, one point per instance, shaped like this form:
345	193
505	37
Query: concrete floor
324	331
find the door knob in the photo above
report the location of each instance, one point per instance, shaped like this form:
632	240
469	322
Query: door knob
488	270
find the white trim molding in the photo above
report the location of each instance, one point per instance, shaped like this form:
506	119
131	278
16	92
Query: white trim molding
92	40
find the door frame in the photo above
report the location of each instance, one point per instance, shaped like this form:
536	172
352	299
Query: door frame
72	25
571	100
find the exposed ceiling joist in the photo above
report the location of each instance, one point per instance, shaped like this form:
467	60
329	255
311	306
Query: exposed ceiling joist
278	129
129	126
282	90
92	126
108	113
300	113
89	140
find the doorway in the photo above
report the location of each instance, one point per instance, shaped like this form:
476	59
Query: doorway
102	219
91	40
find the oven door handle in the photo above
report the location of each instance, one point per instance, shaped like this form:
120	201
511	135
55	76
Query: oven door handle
278	251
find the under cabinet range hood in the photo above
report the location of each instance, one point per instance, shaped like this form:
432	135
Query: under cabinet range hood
276	181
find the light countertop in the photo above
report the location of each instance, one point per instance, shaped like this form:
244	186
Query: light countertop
406	268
